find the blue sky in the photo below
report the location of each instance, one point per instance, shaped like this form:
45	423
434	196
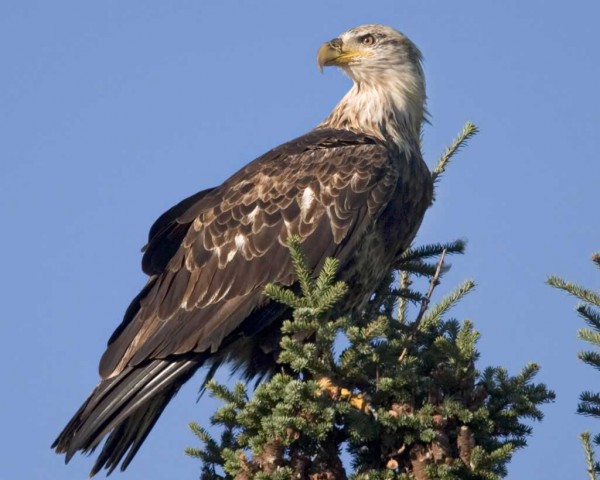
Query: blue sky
110	112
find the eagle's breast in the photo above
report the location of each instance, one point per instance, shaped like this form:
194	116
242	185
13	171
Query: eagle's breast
392	230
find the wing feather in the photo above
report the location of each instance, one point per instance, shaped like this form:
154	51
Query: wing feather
166	235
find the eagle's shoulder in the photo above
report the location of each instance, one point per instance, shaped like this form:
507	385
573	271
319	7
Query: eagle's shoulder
318	144
321	138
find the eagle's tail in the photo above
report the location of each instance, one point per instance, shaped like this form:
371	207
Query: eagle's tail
127	405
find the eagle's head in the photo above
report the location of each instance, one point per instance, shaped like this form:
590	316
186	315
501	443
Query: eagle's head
370	52
389	84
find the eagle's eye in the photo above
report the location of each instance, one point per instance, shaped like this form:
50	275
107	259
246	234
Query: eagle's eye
368	40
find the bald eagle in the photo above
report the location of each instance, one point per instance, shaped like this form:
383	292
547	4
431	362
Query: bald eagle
355	188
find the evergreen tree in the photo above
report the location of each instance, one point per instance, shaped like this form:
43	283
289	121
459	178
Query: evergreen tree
589	402
390	392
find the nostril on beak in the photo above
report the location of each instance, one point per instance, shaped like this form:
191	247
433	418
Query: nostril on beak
336	44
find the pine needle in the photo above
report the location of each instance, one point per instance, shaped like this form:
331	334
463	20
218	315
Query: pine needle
576	290
589	455
448	302
468	131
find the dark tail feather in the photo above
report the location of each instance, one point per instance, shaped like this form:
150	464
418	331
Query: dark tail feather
127	406
128	437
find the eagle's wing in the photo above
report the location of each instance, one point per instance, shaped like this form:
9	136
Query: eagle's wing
326	187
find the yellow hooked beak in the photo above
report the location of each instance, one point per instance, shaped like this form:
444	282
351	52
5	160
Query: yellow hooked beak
334	53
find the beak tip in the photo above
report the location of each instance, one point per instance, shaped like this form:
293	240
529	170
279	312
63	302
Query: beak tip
329	54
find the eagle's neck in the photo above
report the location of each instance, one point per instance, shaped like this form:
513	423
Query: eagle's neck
391	109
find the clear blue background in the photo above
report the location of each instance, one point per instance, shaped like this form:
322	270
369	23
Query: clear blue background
110	112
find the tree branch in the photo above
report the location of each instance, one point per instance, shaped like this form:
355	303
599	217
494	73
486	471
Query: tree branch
432	284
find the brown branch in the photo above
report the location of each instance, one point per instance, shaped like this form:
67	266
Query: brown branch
432	284
405	283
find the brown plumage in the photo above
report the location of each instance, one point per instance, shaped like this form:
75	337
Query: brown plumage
355	188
